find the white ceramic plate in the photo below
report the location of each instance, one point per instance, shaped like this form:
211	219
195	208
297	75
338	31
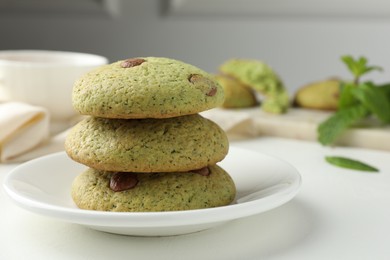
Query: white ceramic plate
43	186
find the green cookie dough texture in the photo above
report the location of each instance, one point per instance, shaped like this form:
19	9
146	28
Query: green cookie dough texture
261	78
147	145
150	87
154	191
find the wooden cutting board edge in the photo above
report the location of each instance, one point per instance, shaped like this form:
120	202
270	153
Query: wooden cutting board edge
299	123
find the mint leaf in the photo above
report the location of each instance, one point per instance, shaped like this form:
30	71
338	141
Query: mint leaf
350	163
354	67
346	98
385	89
330	129
359	66
373	99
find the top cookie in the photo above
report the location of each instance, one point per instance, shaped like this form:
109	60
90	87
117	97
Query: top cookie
146	88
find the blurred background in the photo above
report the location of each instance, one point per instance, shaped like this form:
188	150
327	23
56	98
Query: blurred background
301	39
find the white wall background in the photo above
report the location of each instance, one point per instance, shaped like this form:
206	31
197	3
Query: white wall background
301	48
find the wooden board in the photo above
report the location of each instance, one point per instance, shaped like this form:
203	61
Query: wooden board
297	123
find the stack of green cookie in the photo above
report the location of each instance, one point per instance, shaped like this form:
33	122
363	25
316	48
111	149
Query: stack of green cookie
145	144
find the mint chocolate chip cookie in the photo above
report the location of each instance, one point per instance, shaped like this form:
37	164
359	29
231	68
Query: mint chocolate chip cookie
147	145
148	87
145	192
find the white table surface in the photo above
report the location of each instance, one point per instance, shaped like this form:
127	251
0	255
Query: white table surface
338	214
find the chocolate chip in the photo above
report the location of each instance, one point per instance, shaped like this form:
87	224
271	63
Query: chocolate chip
194	78
121	181
205	171
212	92
132	62
204	83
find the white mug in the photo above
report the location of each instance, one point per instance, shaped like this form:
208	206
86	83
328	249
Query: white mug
44	78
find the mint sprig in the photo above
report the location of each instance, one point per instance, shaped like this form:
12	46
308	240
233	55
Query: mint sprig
357	100
358	67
